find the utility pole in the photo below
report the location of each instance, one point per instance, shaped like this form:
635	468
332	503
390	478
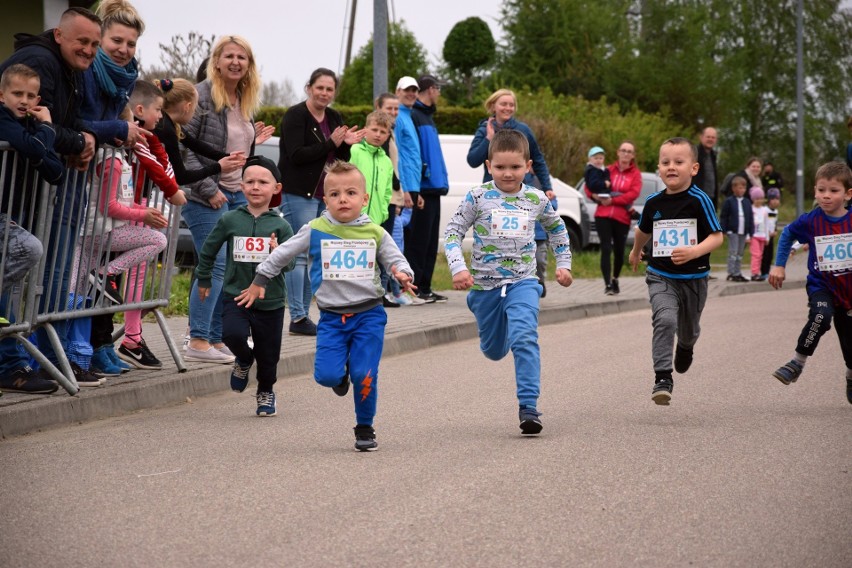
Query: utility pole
380	47
351	33
800	111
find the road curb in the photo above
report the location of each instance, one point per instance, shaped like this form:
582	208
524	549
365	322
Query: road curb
179	388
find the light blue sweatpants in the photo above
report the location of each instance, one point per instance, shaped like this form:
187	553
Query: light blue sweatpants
507	318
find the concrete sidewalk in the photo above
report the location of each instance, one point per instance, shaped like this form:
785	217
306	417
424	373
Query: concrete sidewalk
409	328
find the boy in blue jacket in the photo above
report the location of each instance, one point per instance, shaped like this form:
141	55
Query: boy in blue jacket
738	225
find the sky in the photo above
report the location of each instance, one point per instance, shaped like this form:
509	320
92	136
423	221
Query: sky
291	38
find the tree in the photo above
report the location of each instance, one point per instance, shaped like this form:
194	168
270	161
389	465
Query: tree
406	56
469	48
278	94
182	57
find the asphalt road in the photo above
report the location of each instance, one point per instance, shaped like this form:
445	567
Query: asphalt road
738	471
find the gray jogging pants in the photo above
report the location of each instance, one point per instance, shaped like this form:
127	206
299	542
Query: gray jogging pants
676	307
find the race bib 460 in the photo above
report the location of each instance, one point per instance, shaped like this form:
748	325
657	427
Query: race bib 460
834	252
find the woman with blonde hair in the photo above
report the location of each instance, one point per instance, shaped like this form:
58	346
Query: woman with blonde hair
223	119
501	107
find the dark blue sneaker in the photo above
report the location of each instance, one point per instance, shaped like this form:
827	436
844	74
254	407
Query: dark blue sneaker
365	438
343	387
789	372
240	377
530	421
303	327
116	360
266	404
27	381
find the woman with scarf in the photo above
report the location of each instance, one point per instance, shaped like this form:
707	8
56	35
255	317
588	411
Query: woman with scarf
108	82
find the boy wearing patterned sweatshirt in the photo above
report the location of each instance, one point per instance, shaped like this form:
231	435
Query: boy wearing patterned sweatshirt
504	287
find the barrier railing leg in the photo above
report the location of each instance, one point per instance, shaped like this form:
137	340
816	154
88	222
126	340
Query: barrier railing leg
70	385
59	350
173	349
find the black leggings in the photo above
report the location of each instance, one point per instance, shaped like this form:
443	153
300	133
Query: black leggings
613	236
821	312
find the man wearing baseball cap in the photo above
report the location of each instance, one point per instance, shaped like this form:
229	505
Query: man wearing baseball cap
405	135
421	249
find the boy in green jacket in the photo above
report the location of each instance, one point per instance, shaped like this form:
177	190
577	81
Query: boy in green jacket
250	232
371	160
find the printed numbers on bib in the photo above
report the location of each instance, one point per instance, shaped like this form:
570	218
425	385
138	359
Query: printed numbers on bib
670	234
834	252
127	193
251	249
511	223
348	259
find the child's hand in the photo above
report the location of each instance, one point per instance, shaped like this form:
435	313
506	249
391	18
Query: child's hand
203	293
154	218
273	242
262	133
682	255
232	162
179	198
564	277
404	280
462	280
42	113
777	275
249	295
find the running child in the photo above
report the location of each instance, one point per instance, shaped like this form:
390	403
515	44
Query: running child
681	223
344	248
505	290
827	229
251	231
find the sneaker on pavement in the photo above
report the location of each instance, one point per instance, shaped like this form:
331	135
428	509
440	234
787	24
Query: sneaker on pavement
389	302
415	300
239	377
789	372
224	349
139	356
849	390
365	438
25	380
102	363
303	326
682	359
608	290
403	300
116	360
266	403
86	378
616	289
530	421
439	299
662	392
209	355
427	298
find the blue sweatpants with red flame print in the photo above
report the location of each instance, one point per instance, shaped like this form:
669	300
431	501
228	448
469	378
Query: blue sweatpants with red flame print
357	339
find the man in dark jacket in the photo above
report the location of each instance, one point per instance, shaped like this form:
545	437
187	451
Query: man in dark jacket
706	178
59	56
421	246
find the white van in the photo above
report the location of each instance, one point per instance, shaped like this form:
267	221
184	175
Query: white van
572	207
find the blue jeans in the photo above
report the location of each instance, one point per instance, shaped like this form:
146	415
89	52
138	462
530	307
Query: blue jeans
205	318
298	211
507	318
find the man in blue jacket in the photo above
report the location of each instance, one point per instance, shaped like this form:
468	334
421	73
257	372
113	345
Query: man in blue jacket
421	248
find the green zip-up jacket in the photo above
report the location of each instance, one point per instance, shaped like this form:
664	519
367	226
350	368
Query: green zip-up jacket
378	171
244	255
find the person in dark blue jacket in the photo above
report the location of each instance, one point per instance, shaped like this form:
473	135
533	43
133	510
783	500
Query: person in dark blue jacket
421	248
738	225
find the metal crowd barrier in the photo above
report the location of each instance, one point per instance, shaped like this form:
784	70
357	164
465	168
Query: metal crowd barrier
41	301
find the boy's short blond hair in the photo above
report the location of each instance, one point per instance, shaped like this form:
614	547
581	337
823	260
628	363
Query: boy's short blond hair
379	118
835	170
680	140
506	140
20	71
145	93
738	180
340	168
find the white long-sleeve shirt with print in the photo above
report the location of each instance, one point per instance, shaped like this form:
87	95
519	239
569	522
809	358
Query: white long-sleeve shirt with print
504	235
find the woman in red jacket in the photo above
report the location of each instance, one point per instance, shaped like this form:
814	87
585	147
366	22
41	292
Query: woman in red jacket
612	217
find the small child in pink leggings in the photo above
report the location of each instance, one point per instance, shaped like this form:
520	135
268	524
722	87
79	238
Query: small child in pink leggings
761	234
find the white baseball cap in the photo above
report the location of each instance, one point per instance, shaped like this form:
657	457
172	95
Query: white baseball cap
407	82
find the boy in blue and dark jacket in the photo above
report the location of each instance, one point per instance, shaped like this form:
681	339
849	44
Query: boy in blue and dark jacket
738	225
28	128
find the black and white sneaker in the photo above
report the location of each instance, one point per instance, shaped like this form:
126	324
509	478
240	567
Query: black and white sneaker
662	392
139	356
86	378
365	438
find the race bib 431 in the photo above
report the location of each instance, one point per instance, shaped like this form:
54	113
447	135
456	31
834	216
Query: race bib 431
670	234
